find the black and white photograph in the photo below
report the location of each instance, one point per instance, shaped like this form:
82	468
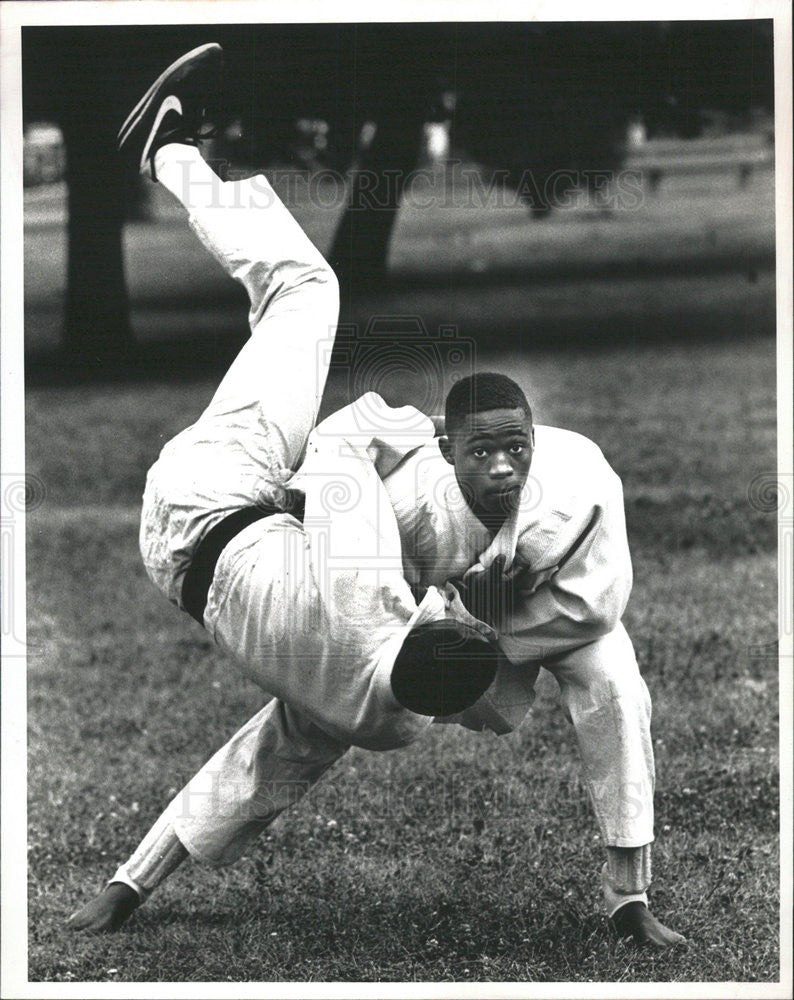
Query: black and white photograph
397	500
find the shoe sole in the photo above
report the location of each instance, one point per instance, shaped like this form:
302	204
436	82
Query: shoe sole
176	72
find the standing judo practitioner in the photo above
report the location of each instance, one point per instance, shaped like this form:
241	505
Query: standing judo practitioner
551	568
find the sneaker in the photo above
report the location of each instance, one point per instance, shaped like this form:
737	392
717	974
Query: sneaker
173	109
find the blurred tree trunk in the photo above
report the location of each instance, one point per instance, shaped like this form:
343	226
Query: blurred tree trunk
360	249
359	253
96	322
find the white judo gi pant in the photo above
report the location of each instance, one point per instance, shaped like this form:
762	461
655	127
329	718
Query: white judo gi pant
242	449
247	782
265	605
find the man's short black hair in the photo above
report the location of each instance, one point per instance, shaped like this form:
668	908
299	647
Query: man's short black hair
443	667
479	392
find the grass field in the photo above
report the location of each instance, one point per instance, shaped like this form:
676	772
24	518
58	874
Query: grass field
463	857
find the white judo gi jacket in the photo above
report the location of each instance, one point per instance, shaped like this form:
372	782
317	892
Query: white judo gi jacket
315	613
568	537
341	566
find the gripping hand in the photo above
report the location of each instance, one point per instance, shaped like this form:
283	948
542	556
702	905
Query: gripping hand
490	595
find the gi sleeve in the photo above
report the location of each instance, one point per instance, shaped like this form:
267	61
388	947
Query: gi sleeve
383	439
578	589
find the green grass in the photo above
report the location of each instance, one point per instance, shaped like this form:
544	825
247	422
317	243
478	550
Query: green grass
462	857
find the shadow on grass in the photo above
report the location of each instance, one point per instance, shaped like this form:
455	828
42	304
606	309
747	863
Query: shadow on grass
705	264
174	360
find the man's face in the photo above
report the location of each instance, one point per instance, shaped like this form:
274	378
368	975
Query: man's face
491	452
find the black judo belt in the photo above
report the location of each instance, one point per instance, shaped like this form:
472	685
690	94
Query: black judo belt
198	578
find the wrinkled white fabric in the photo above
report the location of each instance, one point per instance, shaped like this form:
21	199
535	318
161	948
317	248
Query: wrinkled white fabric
568	536
251	436
315	614
625	876
314	617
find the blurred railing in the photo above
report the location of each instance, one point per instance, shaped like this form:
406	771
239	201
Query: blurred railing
742	154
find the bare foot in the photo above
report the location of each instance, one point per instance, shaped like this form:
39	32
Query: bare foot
107	911
635	920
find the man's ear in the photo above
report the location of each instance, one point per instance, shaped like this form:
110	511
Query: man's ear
445	446
532	435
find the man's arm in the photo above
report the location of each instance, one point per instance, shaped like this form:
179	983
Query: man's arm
588	587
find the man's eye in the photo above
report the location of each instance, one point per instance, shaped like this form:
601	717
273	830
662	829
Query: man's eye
516	449
479	452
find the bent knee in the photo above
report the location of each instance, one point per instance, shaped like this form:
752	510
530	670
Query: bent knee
606	670
624	683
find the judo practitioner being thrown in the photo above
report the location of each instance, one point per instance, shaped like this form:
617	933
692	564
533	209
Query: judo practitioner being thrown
418	603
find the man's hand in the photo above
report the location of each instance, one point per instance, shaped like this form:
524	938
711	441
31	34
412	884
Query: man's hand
490	595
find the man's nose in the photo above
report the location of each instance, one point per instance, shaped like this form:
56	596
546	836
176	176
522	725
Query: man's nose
500	466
